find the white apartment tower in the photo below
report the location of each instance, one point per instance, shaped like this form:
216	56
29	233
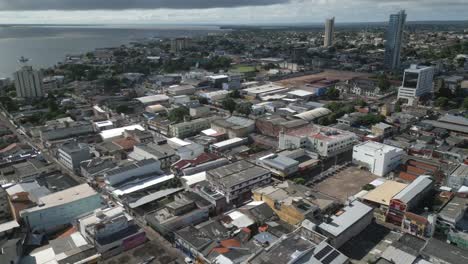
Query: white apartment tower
417	81
28	83
329	32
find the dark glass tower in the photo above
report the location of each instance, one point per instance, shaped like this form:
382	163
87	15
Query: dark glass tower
394	39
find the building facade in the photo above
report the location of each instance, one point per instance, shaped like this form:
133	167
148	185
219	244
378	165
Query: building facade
71	154
28	83
329	31
417	82
394	40
59	209
379	158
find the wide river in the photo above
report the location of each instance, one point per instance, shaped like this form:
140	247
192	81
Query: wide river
47	45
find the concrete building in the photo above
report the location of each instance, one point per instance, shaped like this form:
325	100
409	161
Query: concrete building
56	210
394	40
280	165
28	83
293	203
325	141
417	82
187	209
62	131
347	223
111	231
408	199
180	44
133	170
71	154
234	126
161	152
190	128
458	177
329	32
235	181
380	197
379	158
382	130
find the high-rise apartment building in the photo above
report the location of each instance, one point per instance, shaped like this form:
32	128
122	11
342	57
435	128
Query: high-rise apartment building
417	82
329	32
28	83
394	40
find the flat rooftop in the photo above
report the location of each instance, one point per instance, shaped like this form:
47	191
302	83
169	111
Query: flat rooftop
371	146
385	192
347	217
63	197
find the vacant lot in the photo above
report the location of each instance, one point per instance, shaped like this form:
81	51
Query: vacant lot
345	183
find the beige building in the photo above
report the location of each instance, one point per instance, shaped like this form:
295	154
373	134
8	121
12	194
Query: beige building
380	197
190	128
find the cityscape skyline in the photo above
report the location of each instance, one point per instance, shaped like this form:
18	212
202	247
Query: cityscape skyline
224	12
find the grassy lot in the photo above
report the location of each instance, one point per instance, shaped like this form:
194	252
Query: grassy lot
244	68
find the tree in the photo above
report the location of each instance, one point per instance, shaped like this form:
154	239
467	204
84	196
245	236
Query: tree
235	94
333	93
123	109
178	114
398	106
383	83
229	104
465	103
300	181
442	102
244	109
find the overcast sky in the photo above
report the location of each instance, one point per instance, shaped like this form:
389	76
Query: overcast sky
223	11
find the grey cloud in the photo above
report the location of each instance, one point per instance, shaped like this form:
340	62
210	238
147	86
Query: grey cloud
128	4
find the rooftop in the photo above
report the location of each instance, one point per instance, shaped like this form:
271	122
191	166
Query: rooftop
63	197
414	189
116	132
385	192
314	114
153	98
320	132
348	216
460	171
237	172
372	146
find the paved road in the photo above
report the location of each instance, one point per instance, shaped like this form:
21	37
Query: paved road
45	152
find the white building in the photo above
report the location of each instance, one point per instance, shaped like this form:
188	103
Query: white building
379	158
417	82
71	154
329	31
59	209
458	177
111	230
28	83
347	223
326	141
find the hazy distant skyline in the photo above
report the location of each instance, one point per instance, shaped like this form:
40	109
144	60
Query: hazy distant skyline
223	11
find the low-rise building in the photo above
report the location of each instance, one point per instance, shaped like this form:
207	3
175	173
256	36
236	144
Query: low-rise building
408	199
71	154
56	210
347	223
293	203
187	209
190	128
380	197
161	152
280	165
382	130
326	141
234	126
379	158
236	180
133	170
458	177
96	167
111	231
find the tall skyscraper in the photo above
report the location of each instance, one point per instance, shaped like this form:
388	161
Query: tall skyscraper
329	32
417	82
394	39
28	82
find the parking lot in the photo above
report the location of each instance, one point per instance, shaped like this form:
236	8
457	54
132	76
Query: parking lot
345	182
